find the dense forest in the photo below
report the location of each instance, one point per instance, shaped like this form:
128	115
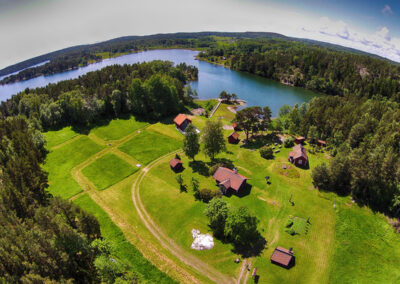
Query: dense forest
149	90
44	239
74	57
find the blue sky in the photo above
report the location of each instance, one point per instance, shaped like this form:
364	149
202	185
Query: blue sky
33	27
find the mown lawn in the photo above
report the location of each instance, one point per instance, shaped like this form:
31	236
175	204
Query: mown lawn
60	161
366	248
147	146
123	249
54	138
118	128
108	170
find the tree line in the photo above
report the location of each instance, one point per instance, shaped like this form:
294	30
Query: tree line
152	91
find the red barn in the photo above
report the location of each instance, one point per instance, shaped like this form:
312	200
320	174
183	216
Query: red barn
233	138
228	179
300	140
235	126
182	121
282	257
298	156
176	165
321	143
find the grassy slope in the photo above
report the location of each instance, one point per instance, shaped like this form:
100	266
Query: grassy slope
60	161
118	128
108	170
147	146
123	249
55	138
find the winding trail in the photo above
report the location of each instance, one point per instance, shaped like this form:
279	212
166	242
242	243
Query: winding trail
167	242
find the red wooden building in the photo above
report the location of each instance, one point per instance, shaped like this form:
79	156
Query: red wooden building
298	156
233	138
229	180
235	126
182	121
321	143
299	140
282	257
176	164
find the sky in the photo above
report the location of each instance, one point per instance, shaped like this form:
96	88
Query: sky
30	28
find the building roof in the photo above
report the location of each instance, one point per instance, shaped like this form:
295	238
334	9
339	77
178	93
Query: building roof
234	135
321	142
180	119
298	151
282	256
300	138
174	162
227	177
234	125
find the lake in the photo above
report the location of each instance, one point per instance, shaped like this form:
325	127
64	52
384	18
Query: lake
213	79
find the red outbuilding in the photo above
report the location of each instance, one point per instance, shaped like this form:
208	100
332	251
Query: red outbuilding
235	126
300	140
176	164
182	121
282	257
298	156
233	138
321	143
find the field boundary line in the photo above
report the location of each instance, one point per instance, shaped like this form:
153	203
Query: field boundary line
73	139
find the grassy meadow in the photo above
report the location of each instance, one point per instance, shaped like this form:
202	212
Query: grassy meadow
346	244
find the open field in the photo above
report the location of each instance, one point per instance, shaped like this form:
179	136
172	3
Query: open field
124	250
147	146
348	244
55	138
108	170
118	128
59	163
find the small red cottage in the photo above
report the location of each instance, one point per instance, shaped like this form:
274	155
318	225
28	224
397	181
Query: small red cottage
228	179
300	140
235	126
298	156
282	257
321	143
176	164
233	138
182	121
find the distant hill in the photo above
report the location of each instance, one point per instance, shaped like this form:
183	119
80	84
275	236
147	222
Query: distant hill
103	46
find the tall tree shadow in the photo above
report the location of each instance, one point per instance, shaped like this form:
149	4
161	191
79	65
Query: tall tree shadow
199	167
252	248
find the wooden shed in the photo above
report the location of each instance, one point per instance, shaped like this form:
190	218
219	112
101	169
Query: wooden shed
234	138
283	257
176	164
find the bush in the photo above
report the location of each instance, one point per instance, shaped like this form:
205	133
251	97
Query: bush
289	142
289	222
206	194
266	152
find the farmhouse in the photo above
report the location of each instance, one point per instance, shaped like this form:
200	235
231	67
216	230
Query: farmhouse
298	156
176	164
321	143
282	257
228	179
233	138
182	121
300	140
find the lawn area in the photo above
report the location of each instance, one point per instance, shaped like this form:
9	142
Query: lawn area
118	128
60	161
55	138
367	250
123	249
147	146
108	170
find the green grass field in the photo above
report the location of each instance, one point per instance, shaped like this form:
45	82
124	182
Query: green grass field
118	128
108	170
55	138
59	163
122	248
348	244
147	146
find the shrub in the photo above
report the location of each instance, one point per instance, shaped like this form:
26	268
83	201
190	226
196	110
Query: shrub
266	152
206	194
289	142
289	222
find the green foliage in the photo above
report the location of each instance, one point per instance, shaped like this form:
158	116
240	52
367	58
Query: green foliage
191	145
206	194
289	142
241	226
195	184
213	139
179	180
312	134
267	152
217	211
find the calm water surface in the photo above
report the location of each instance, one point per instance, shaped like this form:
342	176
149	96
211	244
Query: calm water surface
212	80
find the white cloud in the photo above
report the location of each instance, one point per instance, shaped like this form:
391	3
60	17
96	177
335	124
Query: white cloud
338	32
387	10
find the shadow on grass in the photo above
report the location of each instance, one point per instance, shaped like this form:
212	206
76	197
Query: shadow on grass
241	193
225	162
256	142
199	167
252	248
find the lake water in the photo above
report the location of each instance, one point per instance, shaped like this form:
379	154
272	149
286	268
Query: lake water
212	80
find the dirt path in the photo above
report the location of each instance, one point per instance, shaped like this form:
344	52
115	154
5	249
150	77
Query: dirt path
215	109
242	270
167	242
66	142
247	274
